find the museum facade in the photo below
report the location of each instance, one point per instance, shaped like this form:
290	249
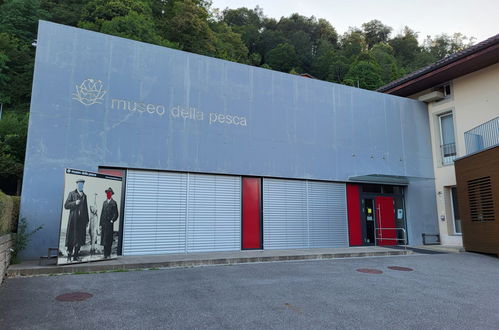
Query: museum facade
220	156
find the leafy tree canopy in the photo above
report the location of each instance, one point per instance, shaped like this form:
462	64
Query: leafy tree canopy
363	74
375	32
282	57
365	57
13	132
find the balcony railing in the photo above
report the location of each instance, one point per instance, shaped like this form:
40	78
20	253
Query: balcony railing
483	136
448	152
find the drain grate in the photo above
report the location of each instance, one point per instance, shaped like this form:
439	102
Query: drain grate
369	271
74	296
402	269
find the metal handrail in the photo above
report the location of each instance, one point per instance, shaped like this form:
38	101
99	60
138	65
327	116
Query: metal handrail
448	152
482	136
404	232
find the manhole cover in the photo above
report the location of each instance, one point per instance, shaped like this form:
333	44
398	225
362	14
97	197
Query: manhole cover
74	296
403	269
369	271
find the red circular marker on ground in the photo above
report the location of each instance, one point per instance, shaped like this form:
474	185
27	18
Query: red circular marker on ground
402	269
74	296
369	271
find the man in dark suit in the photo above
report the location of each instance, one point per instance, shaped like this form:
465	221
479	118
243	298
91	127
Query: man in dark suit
76	233
108	216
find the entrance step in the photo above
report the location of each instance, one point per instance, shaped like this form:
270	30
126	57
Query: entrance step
431	249
124	263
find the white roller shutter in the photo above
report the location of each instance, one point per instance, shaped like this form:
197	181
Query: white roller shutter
284	214
155	213
214	216
327	215
169	212
304	214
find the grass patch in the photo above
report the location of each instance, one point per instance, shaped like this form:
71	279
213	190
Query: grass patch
111	271
119	271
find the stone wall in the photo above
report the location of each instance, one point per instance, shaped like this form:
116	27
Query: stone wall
6	242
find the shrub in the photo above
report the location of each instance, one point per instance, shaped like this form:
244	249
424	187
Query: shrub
6	210
21	239
16	203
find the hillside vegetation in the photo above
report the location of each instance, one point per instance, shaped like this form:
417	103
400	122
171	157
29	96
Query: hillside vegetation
368	56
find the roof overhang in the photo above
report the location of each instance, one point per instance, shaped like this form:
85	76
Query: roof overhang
446	70
386	179
381	179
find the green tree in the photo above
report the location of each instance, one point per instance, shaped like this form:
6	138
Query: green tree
17	70
375	32
382	54
296	22
444	45
65	12
324	61
125	18
304	49
243	16
352	44
13	133
338	69
282	57
20	18
246	22
18	30
325	32
4	77
421	59
364	74
186	23
406	48
268	40
97	12
228	44
134	26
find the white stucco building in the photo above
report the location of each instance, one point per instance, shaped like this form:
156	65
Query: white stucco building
462	92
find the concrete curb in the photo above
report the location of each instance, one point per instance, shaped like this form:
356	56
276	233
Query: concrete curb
97	267
442	248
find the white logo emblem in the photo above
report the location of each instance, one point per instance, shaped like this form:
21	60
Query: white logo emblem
89	92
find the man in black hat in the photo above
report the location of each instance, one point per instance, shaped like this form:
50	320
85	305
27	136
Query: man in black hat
76	233
108	216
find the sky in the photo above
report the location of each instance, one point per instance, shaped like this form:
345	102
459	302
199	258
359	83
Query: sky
473	18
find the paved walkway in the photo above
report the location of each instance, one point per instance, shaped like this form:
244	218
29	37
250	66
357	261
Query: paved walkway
32	268
451	291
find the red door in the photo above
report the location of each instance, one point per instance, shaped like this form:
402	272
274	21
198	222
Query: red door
385	219
251	217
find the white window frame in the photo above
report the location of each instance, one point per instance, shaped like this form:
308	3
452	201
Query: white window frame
449	160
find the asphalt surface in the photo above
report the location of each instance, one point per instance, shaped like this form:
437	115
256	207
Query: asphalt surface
444	291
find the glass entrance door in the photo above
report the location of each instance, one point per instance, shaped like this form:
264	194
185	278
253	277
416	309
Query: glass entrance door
368	221
382	210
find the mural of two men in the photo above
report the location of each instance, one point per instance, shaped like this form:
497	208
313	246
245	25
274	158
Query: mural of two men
78	221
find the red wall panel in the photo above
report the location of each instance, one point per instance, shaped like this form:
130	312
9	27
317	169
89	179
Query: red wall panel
354	224
251	217
110	171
